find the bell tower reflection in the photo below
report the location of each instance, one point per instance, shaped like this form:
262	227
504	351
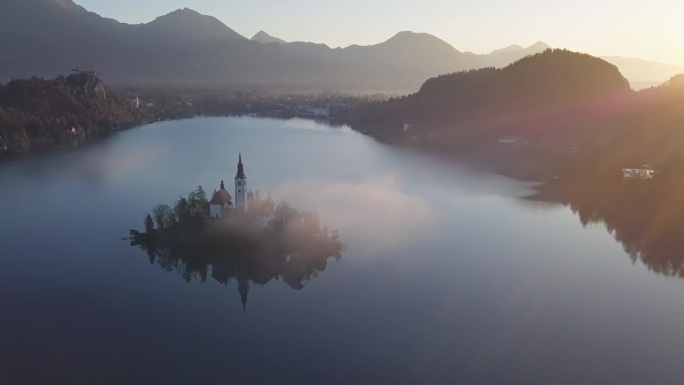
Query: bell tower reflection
243	288
246	259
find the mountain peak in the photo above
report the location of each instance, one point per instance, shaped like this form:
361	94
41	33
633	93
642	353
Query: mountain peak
183	15
540	45
189	24
263	37
185	10
410	37
420	42
405	35
66	4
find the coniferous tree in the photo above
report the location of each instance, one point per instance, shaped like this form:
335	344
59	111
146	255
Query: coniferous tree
149	224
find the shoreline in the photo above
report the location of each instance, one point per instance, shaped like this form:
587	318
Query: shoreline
487	157
50	146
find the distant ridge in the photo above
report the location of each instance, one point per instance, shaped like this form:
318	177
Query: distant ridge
504	56
510	48
187	47
648	72
189	25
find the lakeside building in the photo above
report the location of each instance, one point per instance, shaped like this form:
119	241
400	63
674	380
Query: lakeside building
645	172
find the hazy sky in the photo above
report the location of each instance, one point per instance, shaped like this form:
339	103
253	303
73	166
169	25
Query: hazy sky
651	29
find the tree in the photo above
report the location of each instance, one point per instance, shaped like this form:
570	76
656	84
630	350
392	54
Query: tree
172	219
198	198
149	224
182	211
163	216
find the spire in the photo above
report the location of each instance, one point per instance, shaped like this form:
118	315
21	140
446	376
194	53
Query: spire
243	288
223	187
243	295
240	169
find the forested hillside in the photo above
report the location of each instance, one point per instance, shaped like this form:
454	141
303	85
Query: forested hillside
568	105
556	93
37	112
572	121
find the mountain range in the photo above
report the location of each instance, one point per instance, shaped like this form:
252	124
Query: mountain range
50	37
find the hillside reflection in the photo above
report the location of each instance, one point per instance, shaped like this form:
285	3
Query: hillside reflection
234	249
645	216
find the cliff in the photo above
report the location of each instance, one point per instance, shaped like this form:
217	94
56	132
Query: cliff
35	113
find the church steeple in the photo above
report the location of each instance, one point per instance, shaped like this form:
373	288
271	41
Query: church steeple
240	169
223	187
240	187
243	288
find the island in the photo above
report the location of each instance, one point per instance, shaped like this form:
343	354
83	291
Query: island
253	241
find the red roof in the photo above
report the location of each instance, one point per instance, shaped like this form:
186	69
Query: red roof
221	197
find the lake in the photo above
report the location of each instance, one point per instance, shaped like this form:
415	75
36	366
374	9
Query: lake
448	275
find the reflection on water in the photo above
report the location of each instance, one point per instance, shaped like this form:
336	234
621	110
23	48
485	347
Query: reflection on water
295	249
645	216
447	277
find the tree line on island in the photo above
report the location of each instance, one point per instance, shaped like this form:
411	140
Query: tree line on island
291	244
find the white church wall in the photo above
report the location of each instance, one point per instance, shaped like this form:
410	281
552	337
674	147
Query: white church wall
240	194
215	211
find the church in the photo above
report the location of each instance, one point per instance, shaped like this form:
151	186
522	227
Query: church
222	202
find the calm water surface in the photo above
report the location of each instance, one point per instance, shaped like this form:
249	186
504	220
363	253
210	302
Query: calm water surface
448	276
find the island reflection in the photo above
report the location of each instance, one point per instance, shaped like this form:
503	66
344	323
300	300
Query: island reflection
264	243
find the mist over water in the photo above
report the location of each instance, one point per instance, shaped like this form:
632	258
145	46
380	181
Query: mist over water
447	275
375	213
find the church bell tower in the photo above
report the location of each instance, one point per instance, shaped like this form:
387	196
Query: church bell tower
240	187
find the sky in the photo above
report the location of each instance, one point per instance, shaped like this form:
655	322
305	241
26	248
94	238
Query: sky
651	30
